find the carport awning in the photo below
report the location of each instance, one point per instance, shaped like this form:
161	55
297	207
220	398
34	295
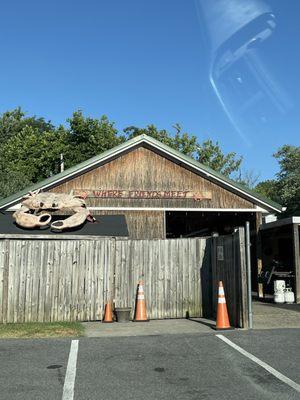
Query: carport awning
105	225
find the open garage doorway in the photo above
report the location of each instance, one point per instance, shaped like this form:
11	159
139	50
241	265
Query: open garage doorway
183	224
188	224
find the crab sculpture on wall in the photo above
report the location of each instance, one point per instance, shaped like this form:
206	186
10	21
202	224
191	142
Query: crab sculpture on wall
36	208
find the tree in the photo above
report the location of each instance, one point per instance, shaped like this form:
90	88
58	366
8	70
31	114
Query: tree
285	189
288	178
211	154
269	189
88	137
32	155
182	142
12	122
30	147
20	137
12	182
208	152
159	134
247	178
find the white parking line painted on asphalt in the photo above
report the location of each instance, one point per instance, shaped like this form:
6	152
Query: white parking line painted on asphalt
264	365
68	392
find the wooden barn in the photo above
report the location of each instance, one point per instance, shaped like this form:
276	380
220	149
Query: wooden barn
147	193
161	192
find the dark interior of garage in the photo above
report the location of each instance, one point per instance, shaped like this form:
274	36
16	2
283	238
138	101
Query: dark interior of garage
184	224
188	224
277	257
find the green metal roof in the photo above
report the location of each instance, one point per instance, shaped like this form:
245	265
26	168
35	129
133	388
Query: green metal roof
94	161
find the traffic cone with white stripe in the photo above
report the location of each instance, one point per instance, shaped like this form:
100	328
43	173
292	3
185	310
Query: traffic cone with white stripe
140	309
222	313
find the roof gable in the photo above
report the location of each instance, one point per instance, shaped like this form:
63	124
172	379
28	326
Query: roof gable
159	147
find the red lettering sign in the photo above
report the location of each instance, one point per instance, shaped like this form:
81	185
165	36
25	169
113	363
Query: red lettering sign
143	194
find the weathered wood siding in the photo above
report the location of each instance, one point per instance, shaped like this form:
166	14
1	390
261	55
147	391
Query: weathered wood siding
54	280
172	271
141	224
143	169
69	280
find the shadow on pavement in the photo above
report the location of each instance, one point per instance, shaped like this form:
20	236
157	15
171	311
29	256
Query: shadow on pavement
206	322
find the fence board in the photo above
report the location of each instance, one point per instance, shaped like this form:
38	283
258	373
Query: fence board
2	257
3	277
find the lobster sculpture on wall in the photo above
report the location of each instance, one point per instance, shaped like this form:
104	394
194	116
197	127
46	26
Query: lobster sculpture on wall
36	208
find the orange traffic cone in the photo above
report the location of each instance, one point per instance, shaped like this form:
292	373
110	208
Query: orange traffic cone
222	314
140	309
108	313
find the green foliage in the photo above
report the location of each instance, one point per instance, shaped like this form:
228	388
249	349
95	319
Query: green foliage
211	154
31	147
88	137
12	122
285	189
21	141
12	182
207	152
183	142
162	135
33	154
289	178
268	189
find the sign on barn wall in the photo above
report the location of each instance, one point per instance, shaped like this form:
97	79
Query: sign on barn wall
142	194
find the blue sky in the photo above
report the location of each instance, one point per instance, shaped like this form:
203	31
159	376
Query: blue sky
142	62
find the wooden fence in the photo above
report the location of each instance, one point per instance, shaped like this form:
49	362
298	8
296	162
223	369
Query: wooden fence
69	278
54	280
172	272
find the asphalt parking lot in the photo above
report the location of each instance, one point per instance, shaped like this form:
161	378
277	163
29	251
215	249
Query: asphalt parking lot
27	368
189	366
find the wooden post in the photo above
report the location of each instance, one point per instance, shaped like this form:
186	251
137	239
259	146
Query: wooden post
5	282
165	225
240	283
214	277
296	252
113	248
260	288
